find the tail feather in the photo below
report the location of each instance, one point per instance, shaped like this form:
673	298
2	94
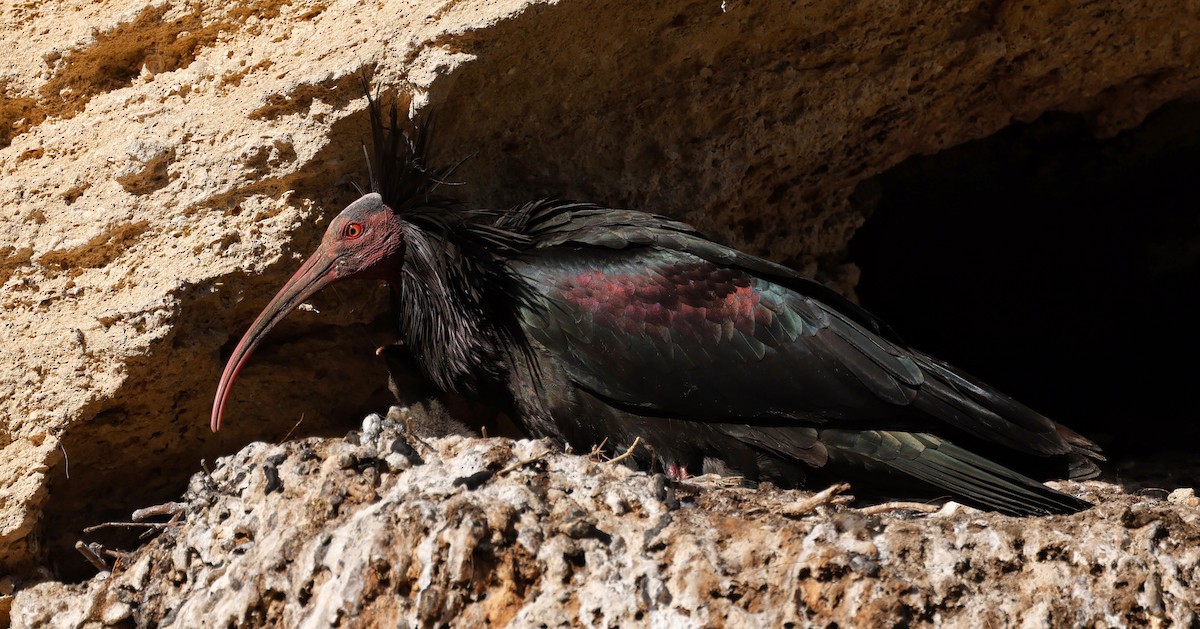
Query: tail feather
971	405
970	478
1081	461
1082	468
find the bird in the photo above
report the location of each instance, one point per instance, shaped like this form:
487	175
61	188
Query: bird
601	327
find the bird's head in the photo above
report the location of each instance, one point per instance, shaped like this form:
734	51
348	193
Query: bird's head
365	240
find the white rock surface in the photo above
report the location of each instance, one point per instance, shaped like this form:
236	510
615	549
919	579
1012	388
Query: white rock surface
496	532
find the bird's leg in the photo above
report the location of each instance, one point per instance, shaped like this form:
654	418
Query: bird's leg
422	408
677	472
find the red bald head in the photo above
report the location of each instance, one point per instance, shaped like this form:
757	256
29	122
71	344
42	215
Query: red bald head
365	240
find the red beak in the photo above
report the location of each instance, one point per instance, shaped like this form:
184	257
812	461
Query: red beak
317	272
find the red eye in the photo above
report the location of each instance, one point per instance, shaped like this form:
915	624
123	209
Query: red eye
353	230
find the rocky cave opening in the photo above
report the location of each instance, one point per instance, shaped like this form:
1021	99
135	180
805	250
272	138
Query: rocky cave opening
1056	265
1060	267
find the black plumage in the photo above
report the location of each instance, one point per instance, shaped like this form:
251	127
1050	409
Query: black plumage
593	325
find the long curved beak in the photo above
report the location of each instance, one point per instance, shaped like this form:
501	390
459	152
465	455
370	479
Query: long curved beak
316	273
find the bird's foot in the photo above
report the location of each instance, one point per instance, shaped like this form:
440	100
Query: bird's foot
677	473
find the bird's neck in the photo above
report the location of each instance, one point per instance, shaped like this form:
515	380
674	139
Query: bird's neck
450	296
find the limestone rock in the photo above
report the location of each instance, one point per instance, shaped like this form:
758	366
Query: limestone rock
492	532
165	164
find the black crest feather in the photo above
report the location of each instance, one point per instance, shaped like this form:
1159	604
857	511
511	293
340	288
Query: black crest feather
399	170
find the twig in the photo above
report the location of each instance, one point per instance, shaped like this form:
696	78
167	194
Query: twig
294	427
66	459
114	525
120	559
597	450
886	507
628	453
522	463
826	496
90	554
172	509
707	481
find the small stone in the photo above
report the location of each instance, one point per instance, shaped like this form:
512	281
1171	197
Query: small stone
664	491
1184	496
115	613
274	483
347	460
366	453
400	446
8	585
396	462
372	426
474	481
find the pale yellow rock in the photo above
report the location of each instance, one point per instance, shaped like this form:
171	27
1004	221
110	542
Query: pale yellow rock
157	166
165	164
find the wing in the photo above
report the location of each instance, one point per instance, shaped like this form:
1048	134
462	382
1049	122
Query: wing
648	314
671	333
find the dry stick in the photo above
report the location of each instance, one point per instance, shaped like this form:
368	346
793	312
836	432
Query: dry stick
120	558
114	525
294	427
173	509
66	459
829	495
715	480
89	554
522	463
919	507
597	450
518	465
166	508
628	453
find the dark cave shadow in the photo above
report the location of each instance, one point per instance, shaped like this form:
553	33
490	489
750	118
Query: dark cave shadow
1059	267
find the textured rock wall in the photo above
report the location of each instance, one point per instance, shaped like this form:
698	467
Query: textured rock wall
169	163
490	532
166	163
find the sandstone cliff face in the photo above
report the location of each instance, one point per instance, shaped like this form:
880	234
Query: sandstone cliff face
165	164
